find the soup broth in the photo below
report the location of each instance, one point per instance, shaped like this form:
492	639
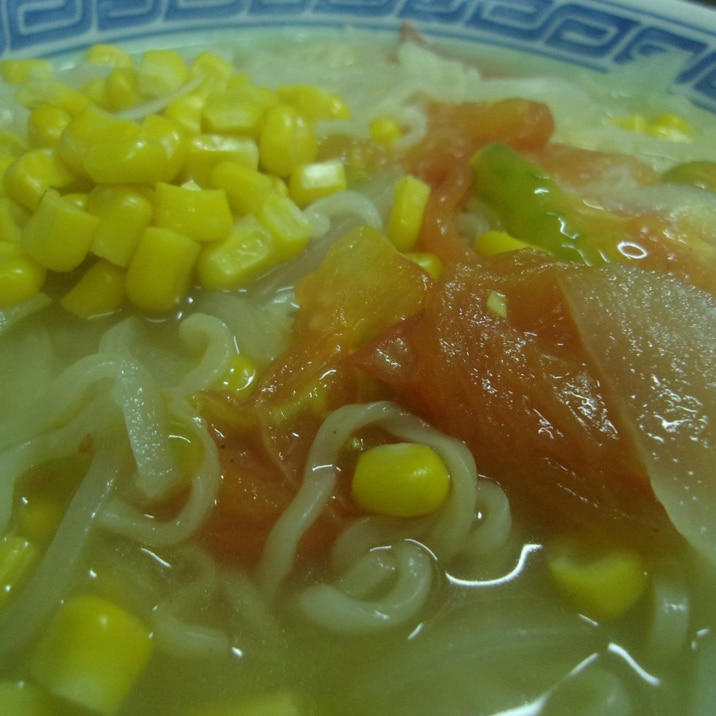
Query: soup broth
507	262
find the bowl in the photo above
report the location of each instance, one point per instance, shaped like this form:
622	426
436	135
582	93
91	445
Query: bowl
601	35
142	616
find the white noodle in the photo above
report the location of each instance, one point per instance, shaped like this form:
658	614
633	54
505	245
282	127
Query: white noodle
670	614
338	612
216	355
61	400
446	534
176	633
21	620
494	524
187	640
317	485
146	421
370	572
35	451
121	517
321	212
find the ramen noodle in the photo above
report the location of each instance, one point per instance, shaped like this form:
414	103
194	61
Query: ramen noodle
343	375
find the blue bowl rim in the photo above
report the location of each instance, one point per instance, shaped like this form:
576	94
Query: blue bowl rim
599	34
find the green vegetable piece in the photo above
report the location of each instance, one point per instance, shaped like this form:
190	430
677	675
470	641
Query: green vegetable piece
696	173
535	210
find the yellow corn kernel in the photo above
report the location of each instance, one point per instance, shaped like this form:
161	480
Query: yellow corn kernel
156	154
385	131
498	242
246	188
667	126
161	269
121	89
32	174
238	110
279	185
17	72
601	584
207	151
288	225
201	214
95	89
187	450
91	128
46	124
161	73
17	559
429	262
209	63
12	218
20	276
39	519
286	140
671	126
240	378
126	161
310	182
99	291
410	197
58	235
109	56
212	73
241	80
247	252
91	653
314	103
21	698
43	495
633	123
5	161
186	110
172	138
11	144
124	213
400	479
38	92
76	198
242	84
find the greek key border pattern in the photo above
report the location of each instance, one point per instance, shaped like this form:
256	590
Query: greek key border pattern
595	33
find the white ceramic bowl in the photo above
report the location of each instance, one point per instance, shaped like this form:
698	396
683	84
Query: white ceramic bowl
601	34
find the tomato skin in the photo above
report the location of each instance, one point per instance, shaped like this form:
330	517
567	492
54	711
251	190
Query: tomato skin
520	393
258	484
456	131
442	159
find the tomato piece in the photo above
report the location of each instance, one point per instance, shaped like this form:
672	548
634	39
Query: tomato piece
256	489
519	391
455	132
534	206
363	287
576	167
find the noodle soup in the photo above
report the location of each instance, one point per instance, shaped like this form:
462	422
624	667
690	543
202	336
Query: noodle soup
346	375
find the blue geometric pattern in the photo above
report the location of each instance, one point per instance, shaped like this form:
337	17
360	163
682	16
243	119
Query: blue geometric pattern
113	15
595	33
